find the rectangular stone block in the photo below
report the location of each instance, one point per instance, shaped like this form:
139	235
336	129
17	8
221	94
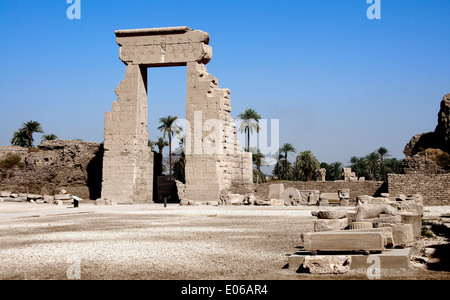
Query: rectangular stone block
277	202
387	235
389	260
402	233
343	241
276	191
5	194
415	220
321	225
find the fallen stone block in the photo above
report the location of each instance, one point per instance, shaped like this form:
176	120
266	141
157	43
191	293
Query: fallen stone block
5	194
389	260
327	264
384	220
321	225
368	211
291	196
33	197
344	202
18	199
323	201
361	225
402	233
212	203
343	241
331	196
236	199
276	191
63	197
277	202
415	220
332	214
387	235
48	199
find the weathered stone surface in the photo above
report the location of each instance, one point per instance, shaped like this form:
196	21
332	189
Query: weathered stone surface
74	165
403	234
415	220
332	214
432	187
439	139
292	197
277	202
330	224
368	211
276	191
360	225
5	194
386	231
214	158
327	264
323	201
236	199
343	240
63	197
392	259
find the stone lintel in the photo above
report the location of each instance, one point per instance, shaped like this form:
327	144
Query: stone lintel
152	31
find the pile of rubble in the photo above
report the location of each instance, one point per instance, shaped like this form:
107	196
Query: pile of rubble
62	198
384	229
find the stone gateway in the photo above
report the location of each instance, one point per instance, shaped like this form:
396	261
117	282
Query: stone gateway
128	165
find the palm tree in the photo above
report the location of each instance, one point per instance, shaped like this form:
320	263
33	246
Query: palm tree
335	170
49	137
359	166
372	163
383	152
151	144
169	127
161	143
32	127
307	162
277	156
259	159
21	138
287	148
250	121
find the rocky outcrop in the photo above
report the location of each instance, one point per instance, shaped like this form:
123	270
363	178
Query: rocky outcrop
438	139
428	153
73	165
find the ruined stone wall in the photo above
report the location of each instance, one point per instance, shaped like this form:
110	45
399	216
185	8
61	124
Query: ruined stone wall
370	188
214	158
75	166
435	188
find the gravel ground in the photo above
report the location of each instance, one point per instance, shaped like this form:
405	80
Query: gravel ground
152	242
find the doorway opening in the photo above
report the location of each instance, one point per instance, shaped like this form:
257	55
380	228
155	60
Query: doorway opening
166	98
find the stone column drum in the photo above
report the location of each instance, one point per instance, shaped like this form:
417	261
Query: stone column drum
214	159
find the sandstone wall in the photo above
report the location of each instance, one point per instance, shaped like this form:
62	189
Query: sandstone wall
73	165
371	188
435	188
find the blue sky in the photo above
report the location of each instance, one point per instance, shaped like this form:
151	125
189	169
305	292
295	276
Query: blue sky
340	84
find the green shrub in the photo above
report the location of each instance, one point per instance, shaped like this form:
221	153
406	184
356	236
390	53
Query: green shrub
12	162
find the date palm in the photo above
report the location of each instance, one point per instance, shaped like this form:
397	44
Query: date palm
21	138
161	143
307	162
32	127
286	149
169	127
49	137
250	121
372	163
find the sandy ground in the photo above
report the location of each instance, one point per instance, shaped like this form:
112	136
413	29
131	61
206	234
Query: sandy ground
152	242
